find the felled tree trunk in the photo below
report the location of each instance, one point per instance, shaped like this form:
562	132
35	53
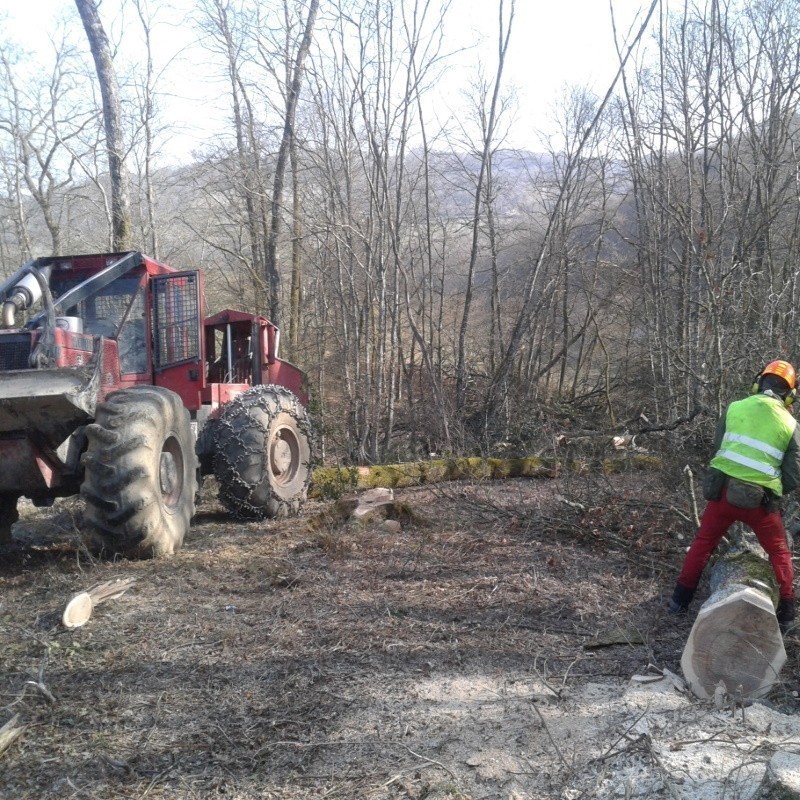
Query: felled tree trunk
735	645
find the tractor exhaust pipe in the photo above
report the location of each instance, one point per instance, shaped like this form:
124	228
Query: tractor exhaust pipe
27	292
9	310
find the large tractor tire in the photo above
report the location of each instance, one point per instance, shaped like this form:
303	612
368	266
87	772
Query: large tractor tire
263	450
140	472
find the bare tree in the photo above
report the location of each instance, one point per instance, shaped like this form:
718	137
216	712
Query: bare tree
366	86
122	228
43	118
489	115
529	295
711	143
146	91
294	82
230	32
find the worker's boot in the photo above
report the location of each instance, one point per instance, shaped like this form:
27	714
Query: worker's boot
785	614
681	597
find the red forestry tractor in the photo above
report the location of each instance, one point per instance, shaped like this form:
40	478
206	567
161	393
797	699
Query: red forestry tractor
115	387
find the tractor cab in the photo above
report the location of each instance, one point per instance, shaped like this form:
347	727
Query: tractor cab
241	350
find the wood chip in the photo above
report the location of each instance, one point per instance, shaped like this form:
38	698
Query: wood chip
78	611
10	732
80	607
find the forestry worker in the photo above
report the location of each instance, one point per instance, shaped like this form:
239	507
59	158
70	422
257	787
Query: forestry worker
757	461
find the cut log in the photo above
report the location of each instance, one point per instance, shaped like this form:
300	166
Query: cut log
377	503
335	481
374	506
371	500
78	611
736	641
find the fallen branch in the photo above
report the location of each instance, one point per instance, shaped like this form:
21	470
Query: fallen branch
665	775
626	427
550	736
431	761
687	470
39	684
610	751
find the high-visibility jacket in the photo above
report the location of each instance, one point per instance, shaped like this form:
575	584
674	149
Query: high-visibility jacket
757	434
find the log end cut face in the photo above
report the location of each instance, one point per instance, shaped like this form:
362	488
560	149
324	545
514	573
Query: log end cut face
735	640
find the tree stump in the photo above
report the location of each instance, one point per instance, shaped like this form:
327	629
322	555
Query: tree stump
736	643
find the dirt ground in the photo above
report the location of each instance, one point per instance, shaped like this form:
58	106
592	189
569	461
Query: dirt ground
469	654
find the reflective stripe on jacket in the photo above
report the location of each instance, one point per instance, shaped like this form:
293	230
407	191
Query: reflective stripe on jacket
758	430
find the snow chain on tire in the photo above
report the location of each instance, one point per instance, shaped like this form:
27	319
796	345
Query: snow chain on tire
262	444
140	472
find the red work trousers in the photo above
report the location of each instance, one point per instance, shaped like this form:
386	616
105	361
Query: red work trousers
768	528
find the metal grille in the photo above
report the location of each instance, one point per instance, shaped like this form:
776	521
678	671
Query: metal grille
15	350
78	341
176	319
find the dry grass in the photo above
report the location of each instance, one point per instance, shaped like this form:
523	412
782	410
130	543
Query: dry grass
273	660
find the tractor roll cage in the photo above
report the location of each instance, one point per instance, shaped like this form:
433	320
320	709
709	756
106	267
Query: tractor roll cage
90	286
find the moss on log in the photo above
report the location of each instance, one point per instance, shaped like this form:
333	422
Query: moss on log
743	563
334	481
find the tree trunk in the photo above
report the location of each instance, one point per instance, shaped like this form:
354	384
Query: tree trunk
488	118
292	96
735	640
148	116
297	254
112	118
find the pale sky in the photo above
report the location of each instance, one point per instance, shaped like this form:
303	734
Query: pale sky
553	44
